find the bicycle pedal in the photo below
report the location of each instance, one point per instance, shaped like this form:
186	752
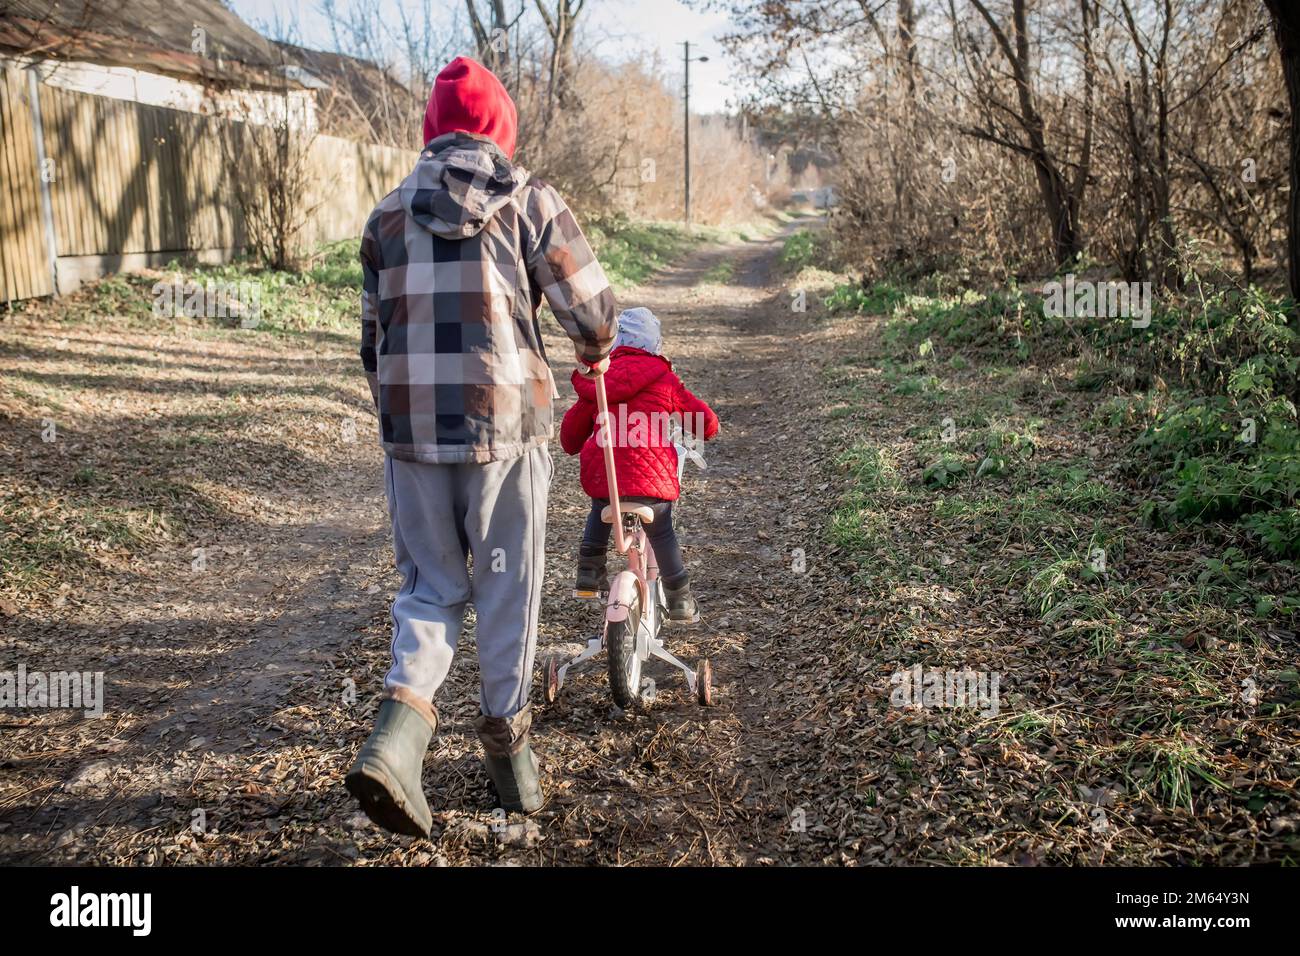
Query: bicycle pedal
588	595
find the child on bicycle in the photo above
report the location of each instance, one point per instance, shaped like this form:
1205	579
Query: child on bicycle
645	397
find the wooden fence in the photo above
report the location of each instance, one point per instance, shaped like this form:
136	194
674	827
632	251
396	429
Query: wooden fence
125	182
25	266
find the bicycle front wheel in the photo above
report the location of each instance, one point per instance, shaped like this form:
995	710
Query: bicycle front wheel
620	651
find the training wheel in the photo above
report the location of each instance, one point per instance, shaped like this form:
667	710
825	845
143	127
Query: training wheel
704	683
550	680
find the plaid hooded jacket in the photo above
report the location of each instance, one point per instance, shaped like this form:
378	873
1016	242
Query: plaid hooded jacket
456	262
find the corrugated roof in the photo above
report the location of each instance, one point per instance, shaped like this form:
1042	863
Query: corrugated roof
146	34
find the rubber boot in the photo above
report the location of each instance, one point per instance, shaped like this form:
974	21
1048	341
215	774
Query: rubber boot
682	605
592	575
510	761
385	777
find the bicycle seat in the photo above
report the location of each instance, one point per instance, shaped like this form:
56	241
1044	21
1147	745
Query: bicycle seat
644	512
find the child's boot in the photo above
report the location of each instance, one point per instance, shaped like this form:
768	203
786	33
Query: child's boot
386	774
510	761
682	605
593	579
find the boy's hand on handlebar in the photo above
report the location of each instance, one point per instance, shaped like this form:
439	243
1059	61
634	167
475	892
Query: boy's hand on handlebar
591	371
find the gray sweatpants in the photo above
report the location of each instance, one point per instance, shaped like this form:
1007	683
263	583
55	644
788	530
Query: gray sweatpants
443	514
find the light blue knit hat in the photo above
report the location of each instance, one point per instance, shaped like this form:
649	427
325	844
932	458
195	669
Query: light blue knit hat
639	329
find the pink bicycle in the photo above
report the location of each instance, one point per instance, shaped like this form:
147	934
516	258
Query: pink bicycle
635	609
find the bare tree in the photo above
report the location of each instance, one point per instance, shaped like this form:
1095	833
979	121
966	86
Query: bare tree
407	55
267	155
1142	133
492	33
560	24
1019	126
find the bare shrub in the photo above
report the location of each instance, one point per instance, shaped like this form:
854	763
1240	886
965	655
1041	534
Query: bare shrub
1008	137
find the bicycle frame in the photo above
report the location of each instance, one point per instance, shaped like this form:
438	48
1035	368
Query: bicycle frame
602	409
630	541
643	570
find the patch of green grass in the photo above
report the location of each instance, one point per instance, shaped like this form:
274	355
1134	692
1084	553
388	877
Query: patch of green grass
1088	618
1021	517
337	265
858	524
720	274
121	294
760	228
40	542
847	530
918	385
880	298
238	295
1053	582
1031	725
1071	486
631	251
801	249
1173	769
874	470
1222	446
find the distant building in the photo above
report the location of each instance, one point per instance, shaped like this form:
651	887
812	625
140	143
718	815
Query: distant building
113	157
199	57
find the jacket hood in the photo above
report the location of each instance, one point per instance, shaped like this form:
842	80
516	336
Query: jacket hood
458	184
630	370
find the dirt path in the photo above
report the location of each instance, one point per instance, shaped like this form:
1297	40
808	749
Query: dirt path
238	687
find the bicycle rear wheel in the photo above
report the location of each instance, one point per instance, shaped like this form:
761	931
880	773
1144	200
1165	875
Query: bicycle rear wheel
620	652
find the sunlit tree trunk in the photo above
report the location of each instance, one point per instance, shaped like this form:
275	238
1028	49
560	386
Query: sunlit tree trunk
1286	24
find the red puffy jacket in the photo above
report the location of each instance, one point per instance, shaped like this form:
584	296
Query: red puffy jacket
642	391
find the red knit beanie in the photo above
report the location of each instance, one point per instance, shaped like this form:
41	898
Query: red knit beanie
467	97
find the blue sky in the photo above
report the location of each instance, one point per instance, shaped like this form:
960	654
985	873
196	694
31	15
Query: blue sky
617	28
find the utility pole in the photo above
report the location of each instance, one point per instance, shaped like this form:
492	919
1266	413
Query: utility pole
686	120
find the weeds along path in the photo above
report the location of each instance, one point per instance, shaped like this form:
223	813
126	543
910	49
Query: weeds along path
225	561
987	527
